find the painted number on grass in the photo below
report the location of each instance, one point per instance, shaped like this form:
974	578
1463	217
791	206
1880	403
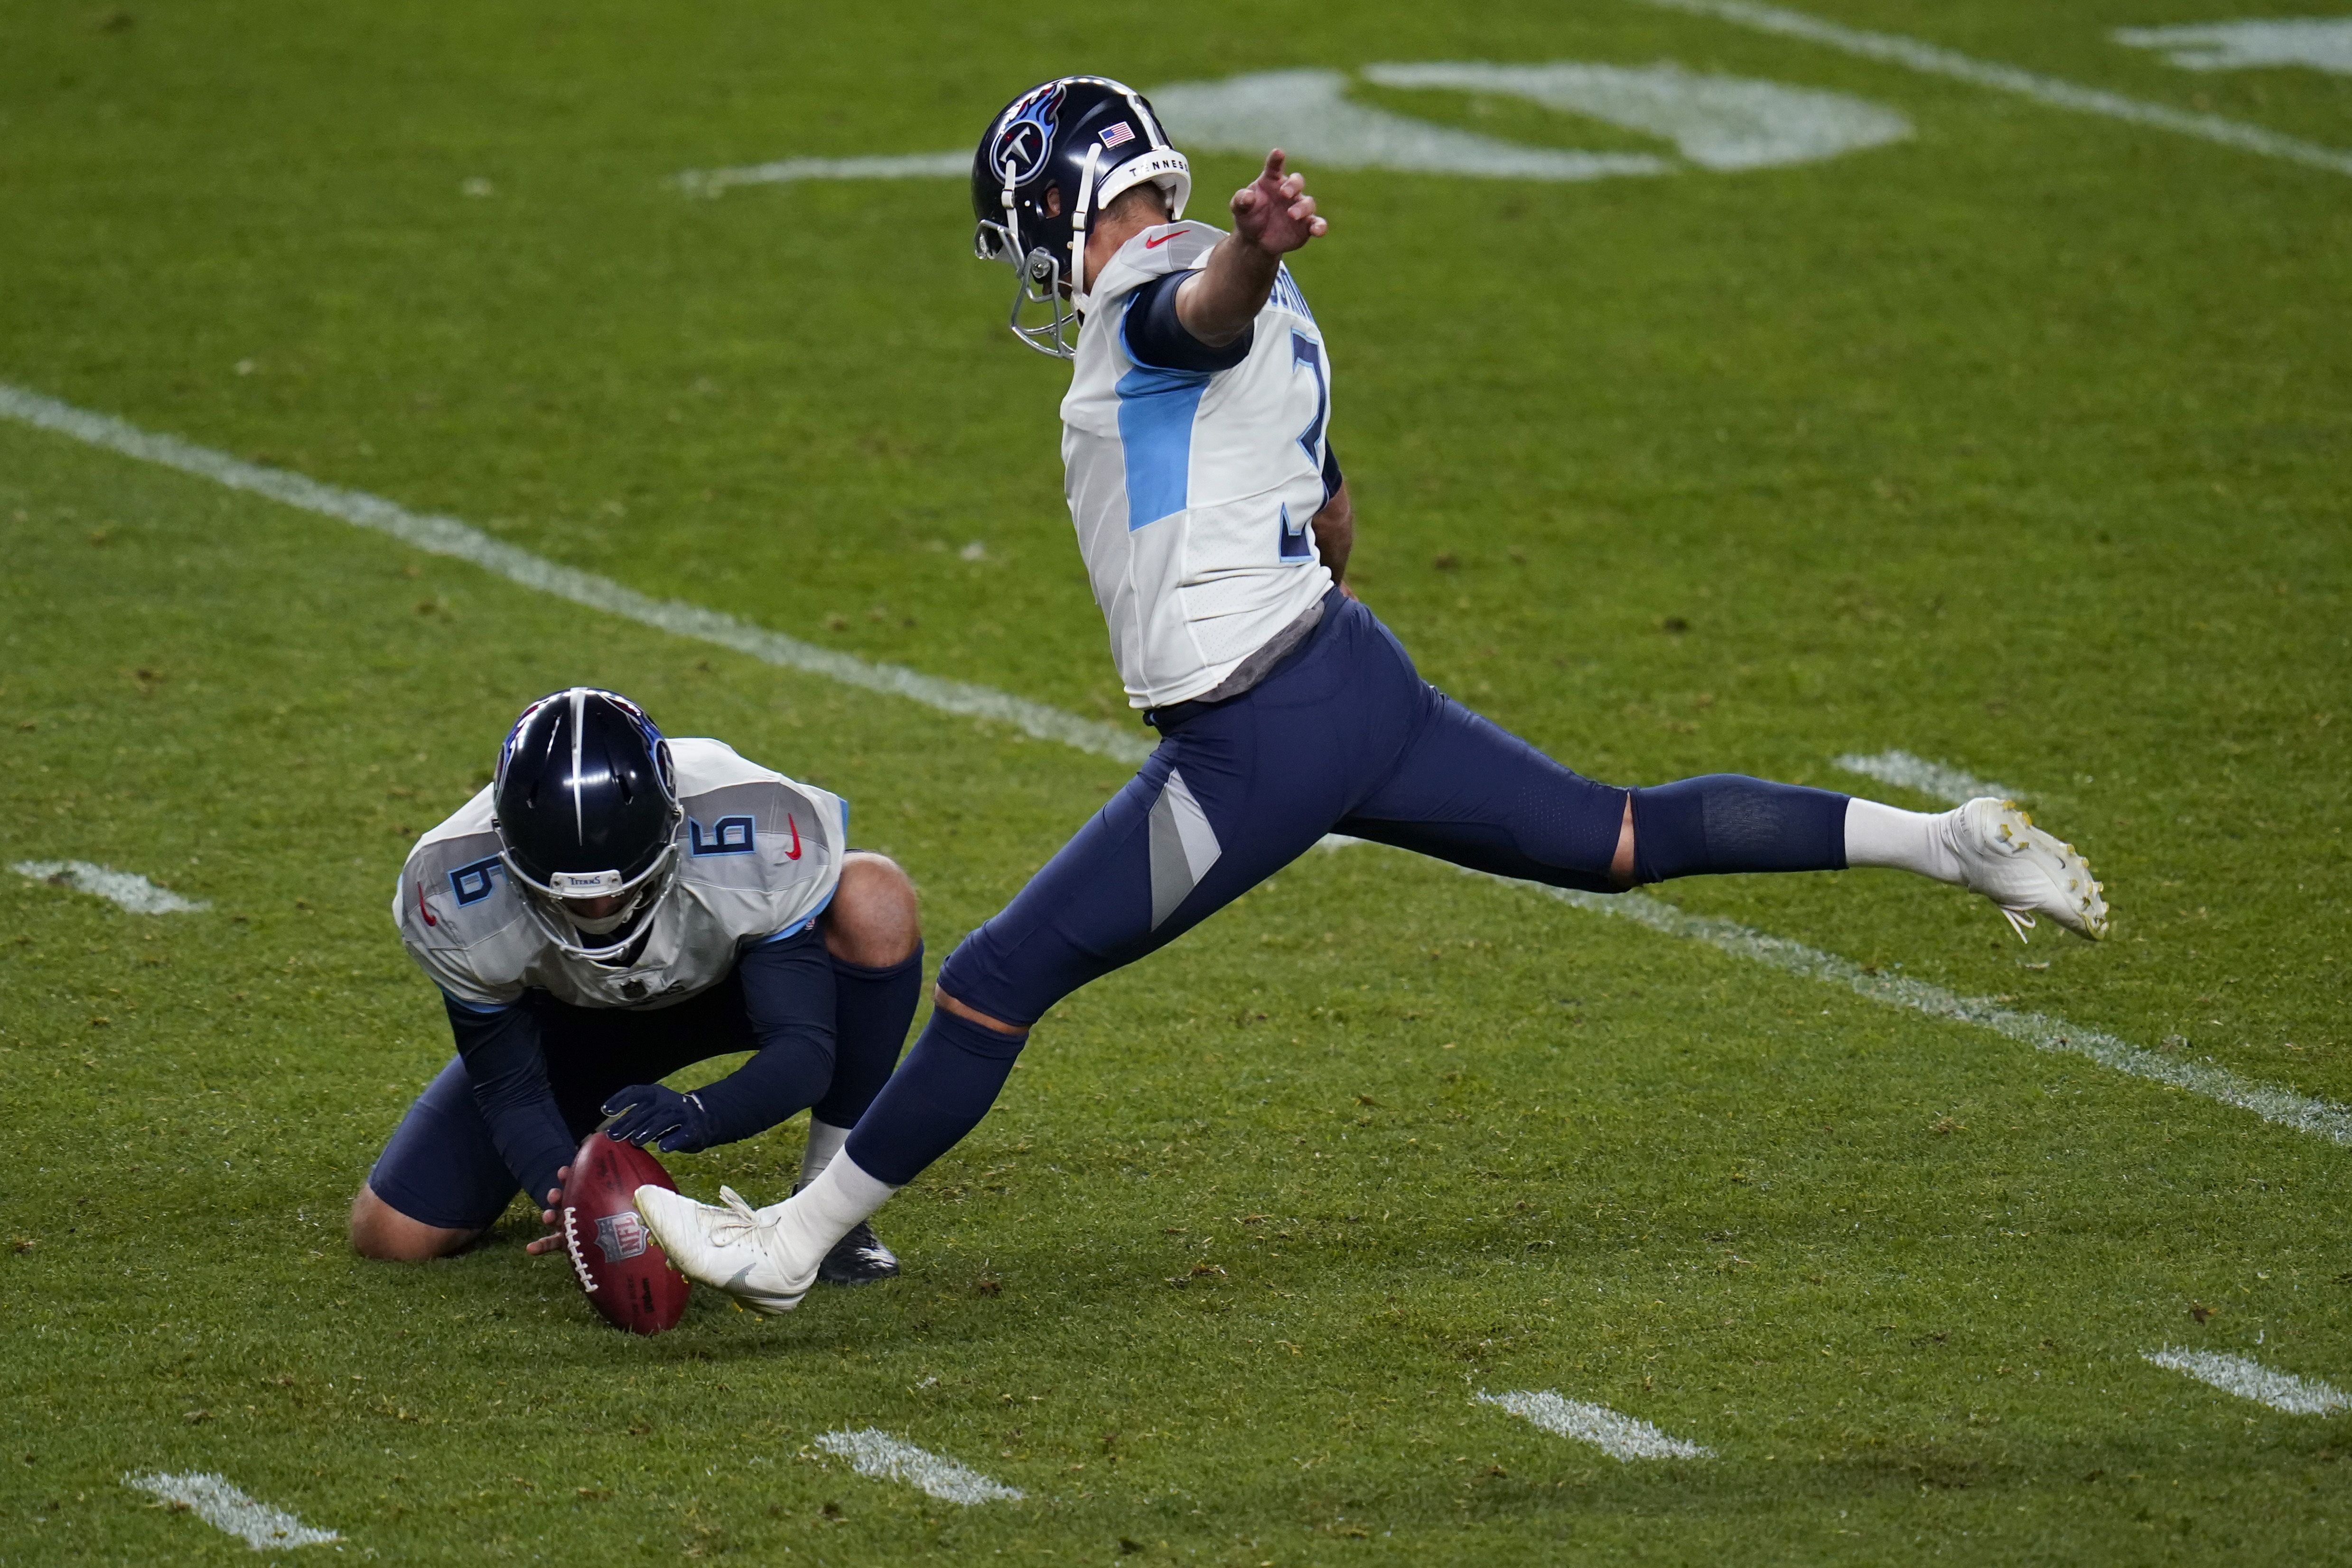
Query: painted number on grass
1719	123
2321	43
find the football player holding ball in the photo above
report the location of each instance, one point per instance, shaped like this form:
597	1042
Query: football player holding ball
614	907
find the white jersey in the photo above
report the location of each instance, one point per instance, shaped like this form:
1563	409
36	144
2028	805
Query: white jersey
759	857
1191	491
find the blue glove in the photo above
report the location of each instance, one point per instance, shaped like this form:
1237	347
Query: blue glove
645	1111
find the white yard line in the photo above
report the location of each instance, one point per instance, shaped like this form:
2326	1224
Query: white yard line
445	536
1934	60
133	891
211	1498
785	171
2249	1379
1622	1437
2319	1117
1939	779
874	1452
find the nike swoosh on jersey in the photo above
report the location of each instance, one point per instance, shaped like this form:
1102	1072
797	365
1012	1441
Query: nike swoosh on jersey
1156	244
794	852
423	908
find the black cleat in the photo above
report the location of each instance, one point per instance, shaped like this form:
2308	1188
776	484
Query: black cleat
857	1258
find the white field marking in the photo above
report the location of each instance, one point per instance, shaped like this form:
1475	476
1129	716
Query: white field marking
874	1452
211	1498
1622	1437
1933	61
447	536
2319	1117
133	891
1720	122
441	535
1307	113
2323	43
2249	1379
1938	779
784	171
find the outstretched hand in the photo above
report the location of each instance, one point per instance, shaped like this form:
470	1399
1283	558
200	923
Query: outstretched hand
1273	211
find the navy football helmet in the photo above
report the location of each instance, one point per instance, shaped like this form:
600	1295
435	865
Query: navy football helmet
586	806
1055	156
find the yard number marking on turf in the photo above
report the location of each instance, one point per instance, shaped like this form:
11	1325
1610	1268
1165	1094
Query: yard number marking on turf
1934	60
133	891
874	1452
1622	1437
2323	43
1941	780
211	1498
1719	123
446	536
2249	1379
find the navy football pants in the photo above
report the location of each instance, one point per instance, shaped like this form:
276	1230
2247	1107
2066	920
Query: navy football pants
1343	737
442	1167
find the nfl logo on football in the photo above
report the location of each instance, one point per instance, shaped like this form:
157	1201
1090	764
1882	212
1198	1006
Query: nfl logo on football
621	1236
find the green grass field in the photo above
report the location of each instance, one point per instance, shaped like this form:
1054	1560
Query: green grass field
2021	443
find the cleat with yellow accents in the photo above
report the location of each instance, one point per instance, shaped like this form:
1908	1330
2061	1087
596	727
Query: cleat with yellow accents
2025	872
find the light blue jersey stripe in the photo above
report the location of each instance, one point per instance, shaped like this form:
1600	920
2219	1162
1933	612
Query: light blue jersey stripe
1155	429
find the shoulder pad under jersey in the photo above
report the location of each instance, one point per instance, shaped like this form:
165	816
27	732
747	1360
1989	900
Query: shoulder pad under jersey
1156	252
761	849
458	911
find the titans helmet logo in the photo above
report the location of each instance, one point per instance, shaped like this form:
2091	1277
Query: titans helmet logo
1024	136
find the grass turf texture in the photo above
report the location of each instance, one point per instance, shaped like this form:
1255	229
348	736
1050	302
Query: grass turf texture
2017	445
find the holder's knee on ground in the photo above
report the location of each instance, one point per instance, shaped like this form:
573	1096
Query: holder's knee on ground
873	920
380	1231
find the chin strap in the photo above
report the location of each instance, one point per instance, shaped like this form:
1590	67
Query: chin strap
1078	228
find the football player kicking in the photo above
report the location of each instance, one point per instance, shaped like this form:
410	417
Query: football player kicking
1215	525
614	907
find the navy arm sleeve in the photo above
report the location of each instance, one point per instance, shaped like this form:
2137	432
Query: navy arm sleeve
1156	336
788	992
1332	477
500	1049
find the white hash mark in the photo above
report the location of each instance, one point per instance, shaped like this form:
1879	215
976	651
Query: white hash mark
1622	1438
133	891
2249	1379
1941	780
211	1498
874	1452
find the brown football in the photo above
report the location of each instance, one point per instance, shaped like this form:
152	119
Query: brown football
627	1276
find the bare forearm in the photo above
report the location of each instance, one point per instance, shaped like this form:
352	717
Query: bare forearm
1218	303
1335	533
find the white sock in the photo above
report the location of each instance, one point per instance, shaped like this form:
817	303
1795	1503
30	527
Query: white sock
810	1221
825	1140
1917	841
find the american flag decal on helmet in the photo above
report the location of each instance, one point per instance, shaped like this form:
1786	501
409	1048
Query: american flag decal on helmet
1118	134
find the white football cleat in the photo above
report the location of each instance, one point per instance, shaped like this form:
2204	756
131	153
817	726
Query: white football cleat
734	1248
2025	872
